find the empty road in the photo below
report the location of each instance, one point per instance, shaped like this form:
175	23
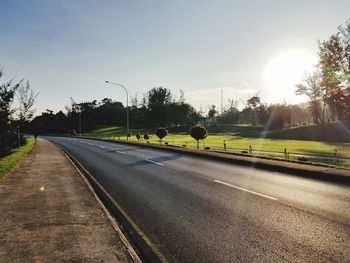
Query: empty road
199	210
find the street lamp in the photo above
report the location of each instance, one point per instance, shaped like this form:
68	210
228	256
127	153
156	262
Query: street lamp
127	106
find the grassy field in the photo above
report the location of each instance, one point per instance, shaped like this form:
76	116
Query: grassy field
240	139
10	161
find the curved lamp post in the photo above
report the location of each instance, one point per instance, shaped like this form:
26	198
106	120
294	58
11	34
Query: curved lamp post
127	105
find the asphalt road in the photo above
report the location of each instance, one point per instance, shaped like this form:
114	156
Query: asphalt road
198	210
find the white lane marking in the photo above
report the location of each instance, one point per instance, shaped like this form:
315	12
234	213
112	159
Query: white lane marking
154	162
90	144
120	152
245	190
102	147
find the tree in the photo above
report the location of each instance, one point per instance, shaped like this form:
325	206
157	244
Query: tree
7	93
161	133
345	33
159	96
182	96
159	99
330	64
278	116
253	104
231	114
198	132
312	88
181	114
26	99
212	112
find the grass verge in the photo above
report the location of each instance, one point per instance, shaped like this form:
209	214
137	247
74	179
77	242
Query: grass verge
237	143
8	162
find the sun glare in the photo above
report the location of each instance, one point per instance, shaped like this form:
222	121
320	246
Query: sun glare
284	71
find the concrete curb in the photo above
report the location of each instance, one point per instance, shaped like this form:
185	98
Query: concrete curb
111	219
304	170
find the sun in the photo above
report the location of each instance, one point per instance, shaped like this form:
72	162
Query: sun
283	72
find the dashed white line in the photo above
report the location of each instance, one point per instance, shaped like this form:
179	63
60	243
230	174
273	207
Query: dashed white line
245	190
120	152
102	147
154	162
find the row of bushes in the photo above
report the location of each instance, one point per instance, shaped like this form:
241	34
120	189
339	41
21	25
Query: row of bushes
9	141
197	132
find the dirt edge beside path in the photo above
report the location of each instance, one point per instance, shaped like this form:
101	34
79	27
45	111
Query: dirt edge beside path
48	214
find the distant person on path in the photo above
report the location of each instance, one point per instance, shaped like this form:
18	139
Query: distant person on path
35	136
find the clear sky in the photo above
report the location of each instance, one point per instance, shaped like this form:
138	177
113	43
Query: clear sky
67	48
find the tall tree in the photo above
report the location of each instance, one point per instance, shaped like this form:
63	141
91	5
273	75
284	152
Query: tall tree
159	96
7	93
253	104
159	99
345	32
26	99
312	88
331	63
212	112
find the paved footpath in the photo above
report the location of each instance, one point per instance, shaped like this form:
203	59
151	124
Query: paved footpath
48	214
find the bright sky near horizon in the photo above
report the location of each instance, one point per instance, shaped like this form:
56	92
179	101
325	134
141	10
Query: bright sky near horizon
67	48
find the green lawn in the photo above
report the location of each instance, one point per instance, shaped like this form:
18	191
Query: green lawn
10	161
236	140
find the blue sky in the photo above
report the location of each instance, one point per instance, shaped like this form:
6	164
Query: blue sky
67	48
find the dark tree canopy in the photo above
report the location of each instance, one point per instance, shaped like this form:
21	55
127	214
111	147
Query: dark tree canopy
158	96
198	132
7	93
161	133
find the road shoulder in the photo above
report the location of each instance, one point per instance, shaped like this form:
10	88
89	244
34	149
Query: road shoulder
48	214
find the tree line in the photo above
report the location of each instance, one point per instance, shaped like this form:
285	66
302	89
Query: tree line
159	108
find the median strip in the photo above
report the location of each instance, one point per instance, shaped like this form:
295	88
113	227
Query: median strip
245	190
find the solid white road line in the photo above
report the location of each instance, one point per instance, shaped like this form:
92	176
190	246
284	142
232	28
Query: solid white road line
120	152
102	147
245	190
154	162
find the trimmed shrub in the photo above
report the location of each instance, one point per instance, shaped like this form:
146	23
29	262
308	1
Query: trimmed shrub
161	133
198	132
